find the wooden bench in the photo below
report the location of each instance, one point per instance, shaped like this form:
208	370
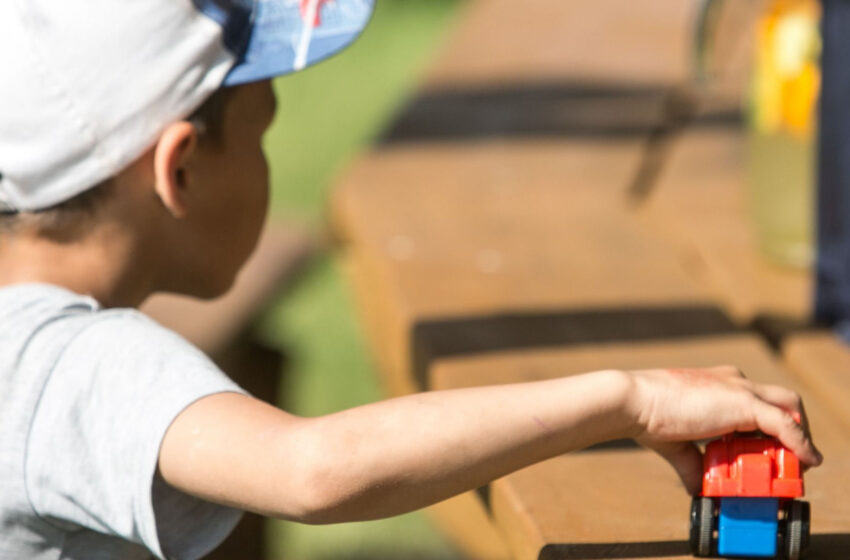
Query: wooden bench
223	330
700	204
467	241
572	282
487	246
608	41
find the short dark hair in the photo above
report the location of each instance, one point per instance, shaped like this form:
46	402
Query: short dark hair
209	117
62	219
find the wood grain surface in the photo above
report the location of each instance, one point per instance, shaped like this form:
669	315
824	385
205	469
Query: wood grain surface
472	231
499	41
821	361
701	204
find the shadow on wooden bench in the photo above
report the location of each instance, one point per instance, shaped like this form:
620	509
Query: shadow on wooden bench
223	330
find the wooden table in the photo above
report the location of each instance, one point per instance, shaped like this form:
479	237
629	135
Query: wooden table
486	252
468	282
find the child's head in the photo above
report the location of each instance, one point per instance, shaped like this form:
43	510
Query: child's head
140	122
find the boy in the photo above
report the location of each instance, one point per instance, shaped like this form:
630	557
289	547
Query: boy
122	441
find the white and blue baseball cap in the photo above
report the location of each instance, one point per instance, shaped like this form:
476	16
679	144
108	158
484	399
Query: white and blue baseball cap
89	85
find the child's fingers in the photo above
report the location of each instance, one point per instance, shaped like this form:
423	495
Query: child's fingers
785	399
804	422
792	403
777	422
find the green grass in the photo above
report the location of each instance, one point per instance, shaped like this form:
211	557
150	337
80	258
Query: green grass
326	115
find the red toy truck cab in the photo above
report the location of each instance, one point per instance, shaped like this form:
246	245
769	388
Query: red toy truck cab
747	507
754	467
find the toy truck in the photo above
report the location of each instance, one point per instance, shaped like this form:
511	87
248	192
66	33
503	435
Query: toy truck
747	507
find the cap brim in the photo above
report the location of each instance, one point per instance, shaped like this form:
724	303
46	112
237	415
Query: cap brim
282	41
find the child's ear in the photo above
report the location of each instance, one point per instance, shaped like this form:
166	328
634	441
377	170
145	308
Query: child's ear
176	145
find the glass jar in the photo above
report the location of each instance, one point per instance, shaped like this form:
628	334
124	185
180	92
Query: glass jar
781	130
781	120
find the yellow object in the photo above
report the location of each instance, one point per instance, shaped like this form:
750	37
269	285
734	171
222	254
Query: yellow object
787	69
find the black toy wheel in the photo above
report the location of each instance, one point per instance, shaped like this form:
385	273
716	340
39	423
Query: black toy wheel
797	529
702	526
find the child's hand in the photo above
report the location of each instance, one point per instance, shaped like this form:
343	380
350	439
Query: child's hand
676	407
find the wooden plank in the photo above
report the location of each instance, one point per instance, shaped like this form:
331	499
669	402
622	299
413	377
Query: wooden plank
467	523
386	324
615	41
821	361
700	203
475	231
628	503
586	506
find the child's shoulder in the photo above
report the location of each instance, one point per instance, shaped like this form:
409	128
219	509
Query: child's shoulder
45	326
86	395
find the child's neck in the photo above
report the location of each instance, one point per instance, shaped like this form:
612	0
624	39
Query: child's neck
103	265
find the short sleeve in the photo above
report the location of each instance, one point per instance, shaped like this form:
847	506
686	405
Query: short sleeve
93	446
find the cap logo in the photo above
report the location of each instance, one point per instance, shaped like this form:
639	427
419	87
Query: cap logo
312	19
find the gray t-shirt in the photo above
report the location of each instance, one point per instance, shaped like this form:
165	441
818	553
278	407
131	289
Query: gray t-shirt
86	396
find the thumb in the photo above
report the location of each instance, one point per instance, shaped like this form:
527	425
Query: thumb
686	458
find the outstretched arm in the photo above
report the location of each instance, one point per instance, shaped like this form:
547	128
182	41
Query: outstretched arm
398	455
